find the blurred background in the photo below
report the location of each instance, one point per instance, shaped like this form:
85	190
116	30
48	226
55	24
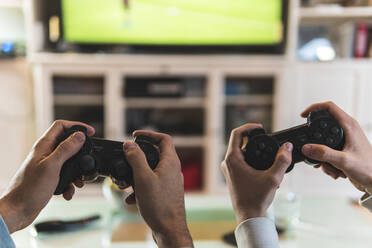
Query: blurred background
194	69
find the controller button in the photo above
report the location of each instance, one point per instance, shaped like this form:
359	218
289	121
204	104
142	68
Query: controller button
265	157
317	135
87	164
330	141
323	124
335	130
261	146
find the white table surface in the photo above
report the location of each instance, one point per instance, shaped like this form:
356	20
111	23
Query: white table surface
324	222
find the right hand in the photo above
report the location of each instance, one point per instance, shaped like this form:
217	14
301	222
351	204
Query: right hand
252	191
160	193
355	160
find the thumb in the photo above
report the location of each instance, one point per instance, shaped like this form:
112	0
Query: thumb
283	159
324	154
67	148
136	159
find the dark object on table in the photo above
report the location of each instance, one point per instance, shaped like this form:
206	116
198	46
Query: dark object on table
55	226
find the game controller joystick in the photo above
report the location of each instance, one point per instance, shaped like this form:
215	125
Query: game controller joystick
100	157
321	128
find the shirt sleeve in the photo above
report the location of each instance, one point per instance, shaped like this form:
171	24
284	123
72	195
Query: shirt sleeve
257	233
366	201
5	239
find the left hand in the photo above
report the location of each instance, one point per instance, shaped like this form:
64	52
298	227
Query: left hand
35	182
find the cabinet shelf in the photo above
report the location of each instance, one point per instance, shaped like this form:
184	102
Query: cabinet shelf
249	100
335	12
184	141
11	3
78	100
187	102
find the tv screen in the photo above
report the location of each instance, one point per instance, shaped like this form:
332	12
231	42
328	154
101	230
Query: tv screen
174	22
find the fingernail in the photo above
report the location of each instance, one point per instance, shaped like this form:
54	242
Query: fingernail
129	146
306	149
79	136
289	146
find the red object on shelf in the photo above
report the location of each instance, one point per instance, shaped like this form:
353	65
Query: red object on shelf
361	41
192	174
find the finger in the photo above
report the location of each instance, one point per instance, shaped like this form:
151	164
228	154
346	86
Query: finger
341	116
66	149
49	139
163	141
136	159
332	171
283	160
131	199
69	193
325	154
79	183
237	135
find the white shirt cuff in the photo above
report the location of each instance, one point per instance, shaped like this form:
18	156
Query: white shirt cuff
257	233
366	201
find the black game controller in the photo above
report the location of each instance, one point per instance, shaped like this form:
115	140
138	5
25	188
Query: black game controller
99	157
321	128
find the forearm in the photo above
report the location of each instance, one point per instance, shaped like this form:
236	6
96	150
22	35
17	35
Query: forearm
11	215
174	239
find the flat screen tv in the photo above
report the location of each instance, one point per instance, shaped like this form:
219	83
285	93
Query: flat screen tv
201	26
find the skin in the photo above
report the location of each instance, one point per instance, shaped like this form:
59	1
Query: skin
35	182
159	194
354	161
252	191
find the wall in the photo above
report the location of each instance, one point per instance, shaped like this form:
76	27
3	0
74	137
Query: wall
16	117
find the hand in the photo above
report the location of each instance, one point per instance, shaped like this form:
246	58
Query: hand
160	193
35	182
355	160
252	191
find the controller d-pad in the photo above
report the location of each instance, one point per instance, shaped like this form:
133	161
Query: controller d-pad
87	164
261	146
335	130
330	141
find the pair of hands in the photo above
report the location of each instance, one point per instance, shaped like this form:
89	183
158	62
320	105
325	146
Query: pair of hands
35	182
253	191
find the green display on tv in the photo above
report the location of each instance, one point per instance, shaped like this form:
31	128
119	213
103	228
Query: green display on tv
173	22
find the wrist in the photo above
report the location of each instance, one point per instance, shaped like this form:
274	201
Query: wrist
11	214
176	238
246	214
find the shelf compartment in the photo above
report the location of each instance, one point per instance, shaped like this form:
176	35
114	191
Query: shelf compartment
78	85
181	122
335	12
92	115
239	115
250	100
189	102
164	86
78	100
247	86
192	167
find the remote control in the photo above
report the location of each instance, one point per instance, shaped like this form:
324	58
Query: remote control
100	157
321	128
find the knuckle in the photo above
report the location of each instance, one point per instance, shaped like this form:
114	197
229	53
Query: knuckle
283	158
274	180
